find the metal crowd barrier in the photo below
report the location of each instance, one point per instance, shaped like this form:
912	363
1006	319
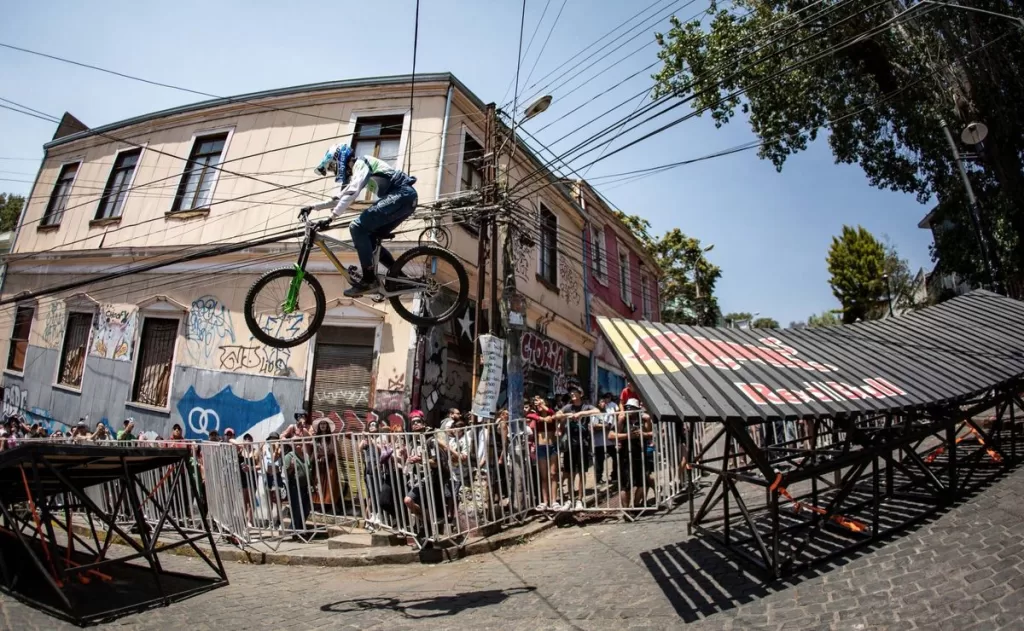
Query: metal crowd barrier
432	487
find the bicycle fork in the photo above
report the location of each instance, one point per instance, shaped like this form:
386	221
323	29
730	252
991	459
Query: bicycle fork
291	301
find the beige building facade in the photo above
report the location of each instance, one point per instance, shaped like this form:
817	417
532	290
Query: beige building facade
170	345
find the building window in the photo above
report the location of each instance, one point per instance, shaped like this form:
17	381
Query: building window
472	172
60	195
155	361
548	246
116	190
625	288
72	356
600	262
196	189
380	137
645	296
19	339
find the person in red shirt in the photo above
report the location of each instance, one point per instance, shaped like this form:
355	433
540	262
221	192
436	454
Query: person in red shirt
629	392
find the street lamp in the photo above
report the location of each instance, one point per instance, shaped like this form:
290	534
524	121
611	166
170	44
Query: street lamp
888	292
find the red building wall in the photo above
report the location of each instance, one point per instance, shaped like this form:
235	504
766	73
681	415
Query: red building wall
608	290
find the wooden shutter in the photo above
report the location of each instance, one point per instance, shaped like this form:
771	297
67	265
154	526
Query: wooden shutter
343	371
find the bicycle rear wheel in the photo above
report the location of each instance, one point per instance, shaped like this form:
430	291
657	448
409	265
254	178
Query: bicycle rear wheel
267	318
443	282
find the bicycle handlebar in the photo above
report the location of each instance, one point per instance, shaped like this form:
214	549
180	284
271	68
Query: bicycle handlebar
306	210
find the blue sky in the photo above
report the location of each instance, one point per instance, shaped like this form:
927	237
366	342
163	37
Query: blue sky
771	231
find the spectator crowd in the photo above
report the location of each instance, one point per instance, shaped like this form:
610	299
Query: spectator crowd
561	454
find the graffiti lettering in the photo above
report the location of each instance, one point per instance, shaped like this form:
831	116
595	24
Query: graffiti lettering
209	322
873	388
263	359
351	397
286	326
348	421
396	382
113	333
53	331
15	400
542	352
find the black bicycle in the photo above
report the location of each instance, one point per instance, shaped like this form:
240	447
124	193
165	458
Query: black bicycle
285	307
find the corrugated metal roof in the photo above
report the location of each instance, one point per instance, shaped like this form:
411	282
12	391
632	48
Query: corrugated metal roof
935	356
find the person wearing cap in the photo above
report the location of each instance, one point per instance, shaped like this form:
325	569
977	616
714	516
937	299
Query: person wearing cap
632	431
229	435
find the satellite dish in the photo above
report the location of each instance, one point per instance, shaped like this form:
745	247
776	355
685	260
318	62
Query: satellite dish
537	107
974	133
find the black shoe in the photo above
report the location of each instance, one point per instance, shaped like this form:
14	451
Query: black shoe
361	289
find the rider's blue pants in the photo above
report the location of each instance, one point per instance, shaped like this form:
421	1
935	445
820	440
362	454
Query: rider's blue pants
382	217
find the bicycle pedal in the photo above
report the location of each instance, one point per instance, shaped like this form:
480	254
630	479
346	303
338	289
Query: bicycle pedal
378	298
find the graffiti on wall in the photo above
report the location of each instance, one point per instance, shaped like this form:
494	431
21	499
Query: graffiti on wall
286	326
258	358
542	352
226	409
352	421
571	287
351	397
53	328
209	324
114	333
15	400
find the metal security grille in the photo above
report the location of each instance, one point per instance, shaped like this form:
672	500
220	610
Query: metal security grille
76	343
156	353
342	371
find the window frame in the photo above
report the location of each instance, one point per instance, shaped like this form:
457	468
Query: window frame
78	309
403	139
47	210
646	306
10	349
553	284
159	310
470	225
625	277
179	191
128	187
599	266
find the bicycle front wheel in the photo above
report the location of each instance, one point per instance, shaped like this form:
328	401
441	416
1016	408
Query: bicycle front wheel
438	276
272	320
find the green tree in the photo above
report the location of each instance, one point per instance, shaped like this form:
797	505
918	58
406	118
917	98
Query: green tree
686	287
856	261
765	323
10	210
902	285
825	318
881	89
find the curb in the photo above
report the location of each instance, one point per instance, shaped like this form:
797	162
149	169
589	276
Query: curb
354	558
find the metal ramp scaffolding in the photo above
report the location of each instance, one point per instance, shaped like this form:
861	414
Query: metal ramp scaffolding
820	441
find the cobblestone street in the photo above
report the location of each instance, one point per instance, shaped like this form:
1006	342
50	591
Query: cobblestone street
963	570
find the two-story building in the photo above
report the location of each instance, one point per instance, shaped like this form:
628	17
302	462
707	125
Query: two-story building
622	280
170	345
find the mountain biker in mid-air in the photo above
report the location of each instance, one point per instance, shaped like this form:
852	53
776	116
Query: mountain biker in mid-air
396	200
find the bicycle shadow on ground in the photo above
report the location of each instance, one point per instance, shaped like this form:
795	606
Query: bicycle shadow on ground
426	608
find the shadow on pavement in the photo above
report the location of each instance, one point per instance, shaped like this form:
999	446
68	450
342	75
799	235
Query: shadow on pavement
701	578
425	608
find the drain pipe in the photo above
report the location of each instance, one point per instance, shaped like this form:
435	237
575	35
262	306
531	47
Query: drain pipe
444	142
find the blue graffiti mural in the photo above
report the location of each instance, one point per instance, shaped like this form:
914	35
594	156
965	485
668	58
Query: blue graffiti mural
209	323
226	409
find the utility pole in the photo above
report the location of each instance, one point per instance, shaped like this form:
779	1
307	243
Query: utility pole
490	129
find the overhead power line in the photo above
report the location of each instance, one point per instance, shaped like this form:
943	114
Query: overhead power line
532	177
